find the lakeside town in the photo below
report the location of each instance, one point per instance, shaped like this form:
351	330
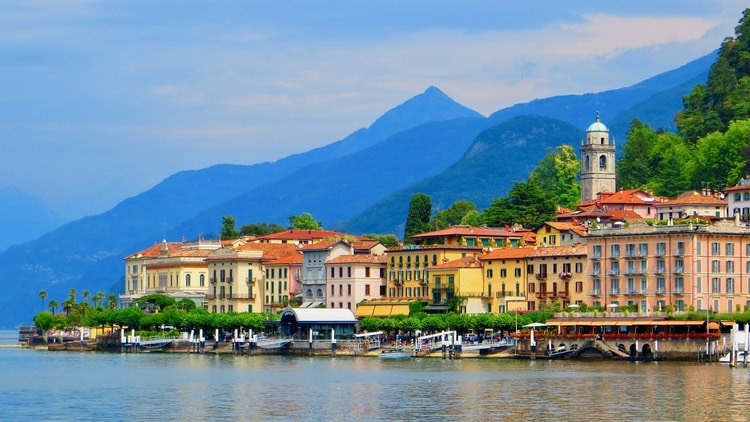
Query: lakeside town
621	265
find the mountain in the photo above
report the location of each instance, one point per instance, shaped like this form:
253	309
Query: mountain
668	87
23	217
414	141
87	253
499	157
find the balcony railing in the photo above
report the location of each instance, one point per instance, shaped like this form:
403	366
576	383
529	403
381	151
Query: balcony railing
541	276
595	292
232	296
660	290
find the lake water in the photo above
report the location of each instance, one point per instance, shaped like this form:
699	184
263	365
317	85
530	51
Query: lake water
41	385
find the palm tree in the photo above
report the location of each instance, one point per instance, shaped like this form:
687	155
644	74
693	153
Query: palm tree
68	305
53	306
42	295
98	298
72	295
86	295
112	301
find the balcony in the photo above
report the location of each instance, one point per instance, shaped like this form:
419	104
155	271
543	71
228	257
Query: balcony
614	272
679	270
541	276
660	291
565	276
212	280
614	292
660	270
250	280
595	292
229	279
678	291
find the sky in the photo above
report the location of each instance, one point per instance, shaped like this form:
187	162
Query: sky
102	100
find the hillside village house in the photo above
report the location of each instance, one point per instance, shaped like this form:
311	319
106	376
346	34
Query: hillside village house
561	233
738	200
177	269
238	276
355	278
705	204
283	282
314	259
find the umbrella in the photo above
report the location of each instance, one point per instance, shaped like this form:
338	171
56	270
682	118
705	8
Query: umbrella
535	325
574	306
614	305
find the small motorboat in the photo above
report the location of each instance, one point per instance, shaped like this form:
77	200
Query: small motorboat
395	354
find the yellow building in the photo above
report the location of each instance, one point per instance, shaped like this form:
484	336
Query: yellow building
238	278
176	269
556	274
460	278
506	278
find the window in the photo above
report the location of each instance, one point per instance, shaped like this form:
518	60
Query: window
730	267
715	266
532	287
367	271
517	272
503	272
187	280
716	285
579	286
597	287
489	272
597	251
579	267
729	249
643	249
715	249
730	286
615	251
202	280
367	289
596	268
614	286
660	285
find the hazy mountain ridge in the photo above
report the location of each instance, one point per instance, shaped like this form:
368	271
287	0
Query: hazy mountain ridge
87	254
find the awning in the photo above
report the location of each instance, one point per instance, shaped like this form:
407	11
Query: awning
400	310
364	311
713	325
382	310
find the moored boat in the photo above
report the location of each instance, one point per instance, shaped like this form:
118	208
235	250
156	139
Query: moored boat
395	355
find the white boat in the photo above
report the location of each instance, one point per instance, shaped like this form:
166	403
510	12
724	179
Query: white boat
395	354
728	358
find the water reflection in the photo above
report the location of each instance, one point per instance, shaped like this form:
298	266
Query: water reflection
209	387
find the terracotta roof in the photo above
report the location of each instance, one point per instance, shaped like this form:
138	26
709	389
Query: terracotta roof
465	262
576	228
295	258
507	253
410	248
174	249
322	245
624	215
693	198
306	235
578	249
358	259
270	250
628	196
365	244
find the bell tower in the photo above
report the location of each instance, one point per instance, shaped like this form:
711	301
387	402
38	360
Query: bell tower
597	162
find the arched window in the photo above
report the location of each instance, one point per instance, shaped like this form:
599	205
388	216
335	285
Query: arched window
746	196
202	280
187	280
737	196
586	163
602	161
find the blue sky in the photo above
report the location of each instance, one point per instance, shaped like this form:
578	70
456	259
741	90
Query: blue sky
101	100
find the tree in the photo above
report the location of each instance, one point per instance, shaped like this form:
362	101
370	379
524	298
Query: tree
53	305
418	218
112	301
44	321
261	229
72	293
452	215
42	295
85	294
304	221
98	298
526	204
388	240
557	173
634	169
227	228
